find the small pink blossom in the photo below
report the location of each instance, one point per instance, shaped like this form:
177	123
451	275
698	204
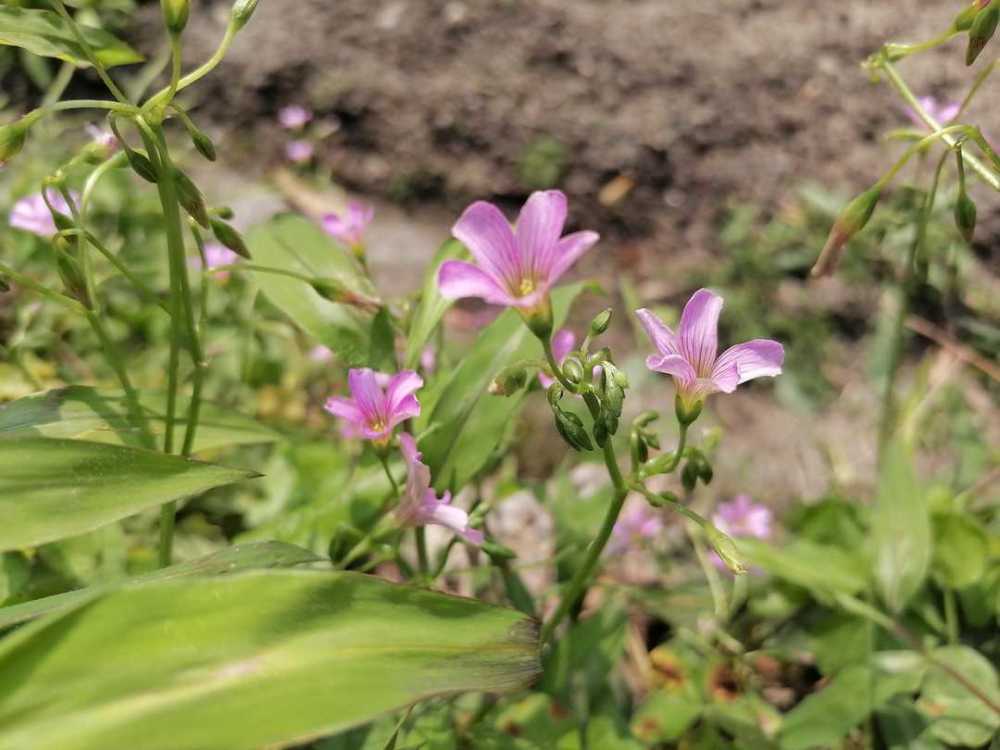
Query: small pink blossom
420	505
103	138
373	410
691	355
562	344
742	517
320	354
31	214
216	255
428	359
294	117
515	267
299	152
349	227
638	523
942	111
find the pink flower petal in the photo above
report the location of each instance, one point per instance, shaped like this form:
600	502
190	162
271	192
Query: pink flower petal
367	394
538	230
568	251
458	279
407	408
345	409
562	344
483	229
672	364
699	330
402	385
659	333
752	359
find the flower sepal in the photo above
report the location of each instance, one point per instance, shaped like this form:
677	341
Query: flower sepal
538	318
688	409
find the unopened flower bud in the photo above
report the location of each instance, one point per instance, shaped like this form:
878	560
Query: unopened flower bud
509	381
663	499
963	21
141	165
851	221
725	548
242	12
686	412
229	237
689	475
202	143
965	216
175	14
982	30
12	139
571	428
572	370
601	322
190	197
497	551
538	319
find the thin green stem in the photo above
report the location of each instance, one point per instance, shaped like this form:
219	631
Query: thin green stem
980	80
88	52
990	177
423	560
719	604
557	372
578	584
28	283
163	96
175	66
59	84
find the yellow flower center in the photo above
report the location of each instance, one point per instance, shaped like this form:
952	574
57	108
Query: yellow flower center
526	288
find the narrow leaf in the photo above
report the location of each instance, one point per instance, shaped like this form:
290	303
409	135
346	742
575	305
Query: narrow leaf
432	305
260	659
52	488
45	33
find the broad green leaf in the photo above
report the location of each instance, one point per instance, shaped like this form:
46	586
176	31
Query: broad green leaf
432	305
901	530
961	550
822	569
665	716
52	488
467	422
15	570
230	560
260	659
957	716
824	718
83	413
45	33
293	243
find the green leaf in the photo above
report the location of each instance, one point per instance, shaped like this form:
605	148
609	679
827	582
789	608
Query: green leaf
383	343
432	305
467	422
52	488
83	413
822	569
45	33
961	550
957	716
824	718
901	530
295	244
230	560
665	716
267	658
15	570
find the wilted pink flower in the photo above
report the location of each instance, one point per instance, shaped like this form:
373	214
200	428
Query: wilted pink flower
690	354
638	522
943	112
321	354
562	344
374	410
102	137
299	152
514	267
294	117
349	227
420	505
742	517
32	214
216	255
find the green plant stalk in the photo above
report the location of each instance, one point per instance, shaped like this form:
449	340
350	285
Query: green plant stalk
59	84
21	280
164	95
990	177
423	560
719	603
89	53
980	80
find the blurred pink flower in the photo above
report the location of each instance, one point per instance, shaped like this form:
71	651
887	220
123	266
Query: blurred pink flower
513	267
216	255
420	505
690	355
562	344
299	152
943	112
102	137
31	214
321	354
294	117
349	227
639	522
374	410
742	517
428	359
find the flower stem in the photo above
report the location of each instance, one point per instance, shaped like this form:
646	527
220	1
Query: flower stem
88	52
423	560
196	75
557	372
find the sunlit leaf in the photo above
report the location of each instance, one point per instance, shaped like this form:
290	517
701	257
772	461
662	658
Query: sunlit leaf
53	488
46	33
261	659
432	305
957	717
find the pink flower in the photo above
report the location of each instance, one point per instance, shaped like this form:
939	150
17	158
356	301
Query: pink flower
514	267
638	522
428	359
349	227
374	410
31	214
320	354
742	517
420	505
103	138
943	112
217	255
294	117
690	355
562	344
299	152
